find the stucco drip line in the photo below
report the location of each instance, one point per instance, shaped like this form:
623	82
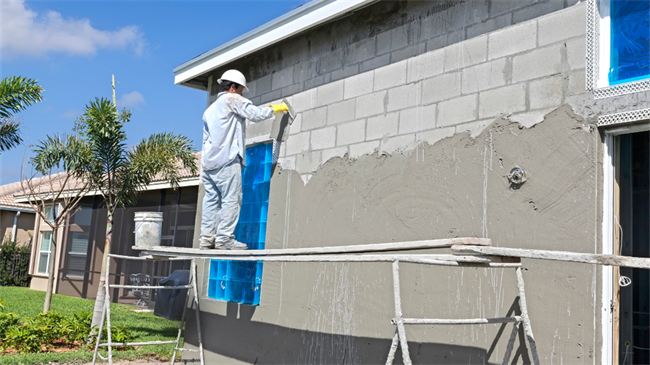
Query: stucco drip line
370	253
106	312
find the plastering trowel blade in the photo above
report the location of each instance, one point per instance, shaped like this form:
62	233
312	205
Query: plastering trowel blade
292	113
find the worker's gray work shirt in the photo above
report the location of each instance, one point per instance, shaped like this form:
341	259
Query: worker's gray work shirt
224	127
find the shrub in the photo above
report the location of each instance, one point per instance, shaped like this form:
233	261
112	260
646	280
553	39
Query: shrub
8	320
14	264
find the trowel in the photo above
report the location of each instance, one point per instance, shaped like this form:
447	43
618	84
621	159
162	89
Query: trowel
279	129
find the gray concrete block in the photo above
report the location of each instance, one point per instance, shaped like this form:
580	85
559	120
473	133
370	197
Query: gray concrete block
344	73
297	143
433	25
441	87
408	52
252	89
341	112
515	39
489	25
358	85
417	119
329	93
304	70
359	51
546	92
399	37
328	154
439	42
291	90
366	148
456	36
504	6
331	61
374	63
304	101
383	43
562	25
307	162
536	10
488	75
399	143
317	81
272	96
434	135
263	85
577	83
323	138
537	63
576	50
504	100
390	76
426	65
314	118
371	104
404	96
457	110
282	78
382	126
466	53
349	133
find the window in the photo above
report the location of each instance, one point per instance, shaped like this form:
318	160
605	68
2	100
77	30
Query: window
241	282
78	239
618	47
44	252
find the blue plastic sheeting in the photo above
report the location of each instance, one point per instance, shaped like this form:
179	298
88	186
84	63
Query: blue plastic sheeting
241	282
630	38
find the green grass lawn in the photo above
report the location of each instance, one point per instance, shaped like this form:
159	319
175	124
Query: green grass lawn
144	326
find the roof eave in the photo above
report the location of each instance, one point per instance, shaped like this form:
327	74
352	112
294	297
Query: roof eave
296	21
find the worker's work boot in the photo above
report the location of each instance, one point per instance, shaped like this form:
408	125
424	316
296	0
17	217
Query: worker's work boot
206	243
235	245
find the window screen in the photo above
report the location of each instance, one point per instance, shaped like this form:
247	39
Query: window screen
630	41
241	281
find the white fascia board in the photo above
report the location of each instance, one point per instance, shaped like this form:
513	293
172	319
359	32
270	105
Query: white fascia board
299	20
156	185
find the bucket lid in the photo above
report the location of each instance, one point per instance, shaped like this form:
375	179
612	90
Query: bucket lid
149	215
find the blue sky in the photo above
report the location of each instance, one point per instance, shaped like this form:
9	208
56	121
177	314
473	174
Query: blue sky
73	47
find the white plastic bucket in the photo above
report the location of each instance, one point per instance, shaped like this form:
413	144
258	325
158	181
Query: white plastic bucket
148	228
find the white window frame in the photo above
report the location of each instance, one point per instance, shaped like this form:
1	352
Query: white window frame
598	54
41	251
609	174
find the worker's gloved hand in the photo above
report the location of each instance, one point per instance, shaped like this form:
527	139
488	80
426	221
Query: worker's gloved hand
282	107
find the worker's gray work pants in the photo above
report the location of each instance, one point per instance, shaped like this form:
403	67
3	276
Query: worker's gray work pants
221	204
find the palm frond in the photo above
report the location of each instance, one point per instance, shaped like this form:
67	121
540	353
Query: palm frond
67	151
9	134
17	93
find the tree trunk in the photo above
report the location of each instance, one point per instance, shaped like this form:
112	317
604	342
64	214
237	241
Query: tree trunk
101	290
50	272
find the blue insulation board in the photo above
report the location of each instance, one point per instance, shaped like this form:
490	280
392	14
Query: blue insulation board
241	282
630	41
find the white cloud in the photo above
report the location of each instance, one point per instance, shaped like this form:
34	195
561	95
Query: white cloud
131	100
23	32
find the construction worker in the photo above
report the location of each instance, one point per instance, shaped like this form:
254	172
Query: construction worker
224	126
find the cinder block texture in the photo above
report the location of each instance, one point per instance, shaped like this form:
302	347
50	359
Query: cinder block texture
563	25
417	119
390	76
333	152
323	138
504	100
382	126
358	85
371	104
349	133
341	112
456	111
511	40
488	75
314	118
466	53
546	92
329	93
426	65
576	53
441	87
546	61
307	162
404	96
282	78
298	143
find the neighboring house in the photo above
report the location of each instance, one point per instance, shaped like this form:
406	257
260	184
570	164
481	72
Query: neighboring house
16	219
411	117
81	239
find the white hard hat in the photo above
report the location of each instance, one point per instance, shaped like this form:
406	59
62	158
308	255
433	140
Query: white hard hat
234	76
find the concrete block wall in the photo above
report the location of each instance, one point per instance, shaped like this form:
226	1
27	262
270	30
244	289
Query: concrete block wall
459	88
381	34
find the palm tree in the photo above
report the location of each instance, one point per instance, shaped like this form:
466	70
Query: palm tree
16	94
118	173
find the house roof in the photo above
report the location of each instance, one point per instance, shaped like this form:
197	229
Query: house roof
7	201
194	73
14	193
